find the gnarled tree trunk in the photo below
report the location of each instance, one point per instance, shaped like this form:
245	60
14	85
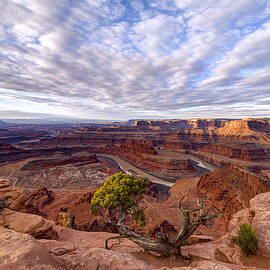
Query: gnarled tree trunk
163	245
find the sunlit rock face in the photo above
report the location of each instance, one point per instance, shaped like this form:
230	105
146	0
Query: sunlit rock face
22	251
260	205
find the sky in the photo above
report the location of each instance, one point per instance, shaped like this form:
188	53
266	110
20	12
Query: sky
98	59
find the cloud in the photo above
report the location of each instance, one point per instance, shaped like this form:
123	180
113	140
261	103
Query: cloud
164	58
16	114
157	35
247	57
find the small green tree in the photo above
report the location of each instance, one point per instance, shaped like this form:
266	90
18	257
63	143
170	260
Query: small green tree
121	195
246	239
121	192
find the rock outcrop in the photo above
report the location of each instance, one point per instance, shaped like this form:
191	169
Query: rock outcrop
6	148
247	129
223	142
84	250
76	160
13	196
23	252
34	225
260	206
180	124
230	189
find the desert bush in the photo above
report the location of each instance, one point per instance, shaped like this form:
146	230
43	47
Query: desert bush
246	239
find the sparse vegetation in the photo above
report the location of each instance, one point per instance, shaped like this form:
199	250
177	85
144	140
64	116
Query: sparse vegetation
121	195
246	239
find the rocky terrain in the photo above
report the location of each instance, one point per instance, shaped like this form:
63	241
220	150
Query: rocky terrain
51	173
244	143
78	171
228	189
33	242
165	149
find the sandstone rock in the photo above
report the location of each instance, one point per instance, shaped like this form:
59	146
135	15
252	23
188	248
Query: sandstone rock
77	160
13	196
4	183
225	252
261	221
31	224
196	239
72	256
229	190
22	252
37	200
89	240
246	128
5	148
211	251
208	265
242	216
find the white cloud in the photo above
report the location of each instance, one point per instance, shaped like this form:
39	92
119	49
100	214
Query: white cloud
251	52
158	34
93	57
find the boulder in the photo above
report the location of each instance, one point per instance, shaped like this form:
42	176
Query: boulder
212	251
260	205
13	196
34	225
22	252
242	216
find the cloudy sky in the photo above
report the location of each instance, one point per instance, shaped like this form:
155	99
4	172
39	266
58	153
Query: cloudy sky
134	59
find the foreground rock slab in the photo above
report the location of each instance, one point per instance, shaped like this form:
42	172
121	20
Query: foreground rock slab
260	205
22	252
208	265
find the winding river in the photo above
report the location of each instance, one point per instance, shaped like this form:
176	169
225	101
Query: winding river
129	168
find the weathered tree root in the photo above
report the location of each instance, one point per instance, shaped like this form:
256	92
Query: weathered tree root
114	244
165	246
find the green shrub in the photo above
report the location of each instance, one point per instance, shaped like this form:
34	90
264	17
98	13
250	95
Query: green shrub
246	239
122	192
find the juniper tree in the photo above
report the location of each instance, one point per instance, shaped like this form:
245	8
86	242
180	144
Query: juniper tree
121	195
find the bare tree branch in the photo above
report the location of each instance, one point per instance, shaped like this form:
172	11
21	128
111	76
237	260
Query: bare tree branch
112	238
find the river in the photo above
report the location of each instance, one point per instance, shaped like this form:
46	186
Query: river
129	168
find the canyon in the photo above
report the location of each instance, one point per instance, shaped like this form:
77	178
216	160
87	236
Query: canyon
49	173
